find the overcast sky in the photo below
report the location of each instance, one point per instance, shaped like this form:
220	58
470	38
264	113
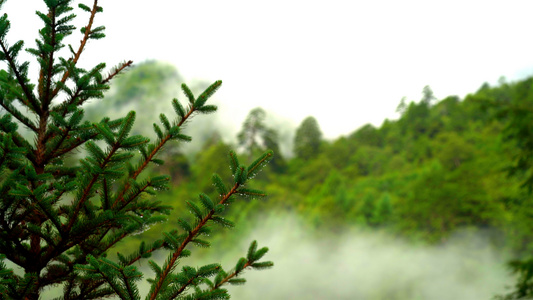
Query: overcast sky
345	62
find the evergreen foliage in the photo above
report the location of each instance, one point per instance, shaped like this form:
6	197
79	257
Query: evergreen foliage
61	220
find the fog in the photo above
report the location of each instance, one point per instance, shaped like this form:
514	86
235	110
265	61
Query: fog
366	264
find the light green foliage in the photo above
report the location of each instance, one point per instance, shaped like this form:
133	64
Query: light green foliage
438	169
212	159
452	150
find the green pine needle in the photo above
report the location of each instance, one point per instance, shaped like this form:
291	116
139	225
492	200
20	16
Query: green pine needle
187	91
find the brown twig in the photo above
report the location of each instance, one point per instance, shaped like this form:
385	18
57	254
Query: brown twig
116	71
192	234
230	276
83	42
145	163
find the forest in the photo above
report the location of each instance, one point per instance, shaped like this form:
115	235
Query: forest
445	172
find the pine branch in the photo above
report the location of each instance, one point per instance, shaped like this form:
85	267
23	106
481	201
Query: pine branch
151	155
129	288
110	282
249	262
192	234
134	196
51	134
7	234
148	251
83	42
182	288
116	71
200	273
18	115
87	190
78	142
30	101
89	291
124	234
230	276
64	136
45	95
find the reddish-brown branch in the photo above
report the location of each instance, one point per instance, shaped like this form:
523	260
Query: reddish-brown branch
30	101
123	235
246	265
192	234
149	251
87	191
145	163
183	287
65	106
83	42
117	71
46	99
10	111
73	146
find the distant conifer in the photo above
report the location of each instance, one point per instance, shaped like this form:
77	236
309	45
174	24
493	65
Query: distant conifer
308	138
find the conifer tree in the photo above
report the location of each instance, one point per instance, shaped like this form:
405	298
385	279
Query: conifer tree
60	221
255	137
308	138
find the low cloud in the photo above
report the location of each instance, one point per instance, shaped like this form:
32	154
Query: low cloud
361	264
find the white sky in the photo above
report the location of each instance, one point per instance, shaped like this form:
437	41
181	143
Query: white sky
345	62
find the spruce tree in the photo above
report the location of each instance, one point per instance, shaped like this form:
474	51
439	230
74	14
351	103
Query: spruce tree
61	219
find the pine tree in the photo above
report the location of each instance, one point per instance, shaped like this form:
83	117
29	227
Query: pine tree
60	220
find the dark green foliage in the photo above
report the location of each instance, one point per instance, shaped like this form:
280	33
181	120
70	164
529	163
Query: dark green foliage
512	104
523	288
62	217
251	261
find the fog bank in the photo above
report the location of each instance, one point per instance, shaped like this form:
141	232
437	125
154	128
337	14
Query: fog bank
359	264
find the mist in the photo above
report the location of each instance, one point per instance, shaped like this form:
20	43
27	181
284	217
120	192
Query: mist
367	264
